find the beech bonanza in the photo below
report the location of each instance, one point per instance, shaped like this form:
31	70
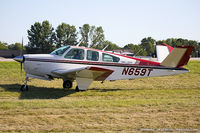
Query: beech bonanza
86	65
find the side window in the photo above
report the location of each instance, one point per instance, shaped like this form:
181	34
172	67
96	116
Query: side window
109	58
75	53
92	55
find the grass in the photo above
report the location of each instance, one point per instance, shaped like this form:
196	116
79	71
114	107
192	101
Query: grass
119	106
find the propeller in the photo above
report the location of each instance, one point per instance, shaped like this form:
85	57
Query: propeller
21	54
20	58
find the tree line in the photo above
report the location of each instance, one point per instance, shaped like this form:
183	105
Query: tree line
43	38
147	46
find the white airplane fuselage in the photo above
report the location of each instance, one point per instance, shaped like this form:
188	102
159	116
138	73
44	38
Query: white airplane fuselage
86	65
42	65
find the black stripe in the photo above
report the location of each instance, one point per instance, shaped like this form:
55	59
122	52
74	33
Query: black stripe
103	64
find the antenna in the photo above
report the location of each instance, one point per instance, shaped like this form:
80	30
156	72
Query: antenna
139	52
79	42
104	47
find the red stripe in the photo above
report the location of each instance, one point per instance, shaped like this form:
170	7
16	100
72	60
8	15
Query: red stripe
102	77
141	63
100	69
169	47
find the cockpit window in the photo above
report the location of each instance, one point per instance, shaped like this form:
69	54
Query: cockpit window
92	55
75	53
110	58
60	50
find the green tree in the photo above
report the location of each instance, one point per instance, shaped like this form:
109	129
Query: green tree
34	36
91	36
97	36
148	44
84	31
41	37
66	35
108	44
137	49
16	46
183	42
3	46
161	42
48	37
196	46
198	50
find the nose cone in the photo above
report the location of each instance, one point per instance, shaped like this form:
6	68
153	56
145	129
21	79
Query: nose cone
19	59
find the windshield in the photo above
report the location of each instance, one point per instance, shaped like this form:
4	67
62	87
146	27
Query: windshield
60	50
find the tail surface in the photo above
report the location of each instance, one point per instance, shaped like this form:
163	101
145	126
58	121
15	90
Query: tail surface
162	51
178	57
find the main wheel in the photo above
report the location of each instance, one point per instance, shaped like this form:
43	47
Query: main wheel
67	84
24	88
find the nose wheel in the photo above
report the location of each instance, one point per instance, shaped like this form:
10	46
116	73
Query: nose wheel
67	84
24	87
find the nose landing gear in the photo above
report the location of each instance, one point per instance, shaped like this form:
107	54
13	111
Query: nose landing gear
25	86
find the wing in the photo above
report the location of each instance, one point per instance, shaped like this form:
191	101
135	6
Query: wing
67	73
84	75
95	73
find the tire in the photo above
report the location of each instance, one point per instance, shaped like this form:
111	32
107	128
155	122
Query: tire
23	88
67	84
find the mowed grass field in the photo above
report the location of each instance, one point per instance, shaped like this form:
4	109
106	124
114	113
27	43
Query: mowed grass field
120	106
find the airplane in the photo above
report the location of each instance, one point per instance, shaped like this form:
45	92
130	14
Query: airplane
86	65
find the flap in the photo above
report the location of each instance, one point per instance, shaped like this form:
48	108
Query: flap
100	74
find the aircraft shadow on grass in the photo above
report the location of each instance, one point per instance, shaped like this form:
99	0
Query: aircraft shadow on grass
38	92
44	92
104	90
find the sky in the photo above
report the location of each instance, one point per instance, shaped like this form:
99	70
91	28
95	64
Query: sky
123	21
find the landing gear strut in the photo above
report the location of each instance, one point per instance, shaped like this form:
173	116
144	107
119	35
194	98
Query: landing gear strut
67	84
77	89
24	87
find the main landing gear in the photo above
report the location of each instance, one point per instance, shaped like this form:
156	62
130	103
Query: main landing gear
67	84
24	87
77	89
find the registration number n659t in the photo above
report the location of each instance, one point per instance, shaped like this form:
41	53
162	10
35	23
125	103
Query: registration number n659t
137	71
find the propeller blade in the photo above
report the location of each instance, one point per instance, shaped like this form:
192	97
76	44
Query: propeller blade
21	60
21	50
21	65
